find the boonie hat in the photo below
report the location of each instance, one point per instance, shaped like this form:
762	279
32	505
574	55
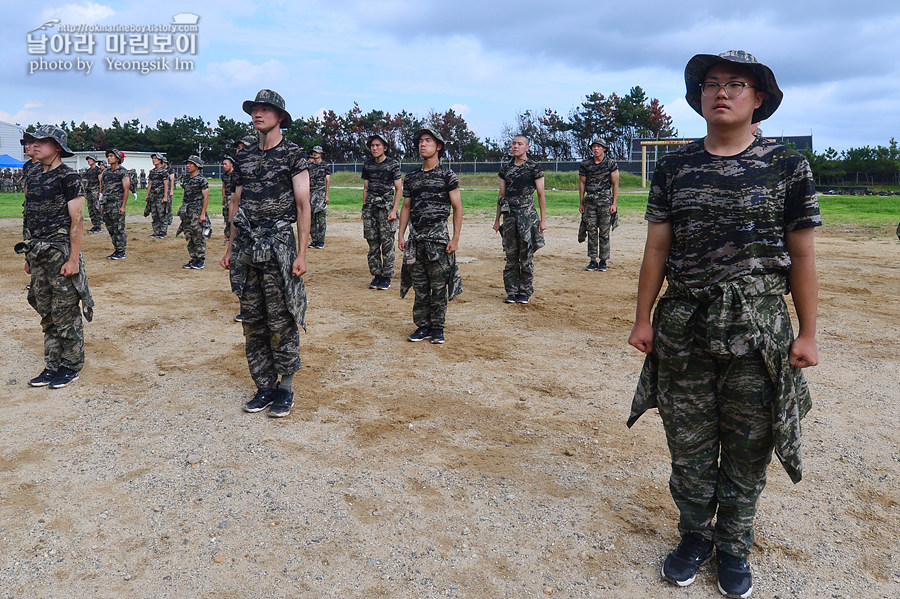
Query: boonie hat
376	136
195	159
269	98
437	136
698	66
50	132
318	149
599	141
120	155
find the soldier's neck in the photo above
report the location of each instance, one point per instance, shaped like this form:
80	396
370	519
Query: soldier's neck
271	139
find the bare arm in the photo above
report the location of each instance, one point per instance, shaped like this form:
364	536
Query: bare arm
805	293
327	186
398	193
205	204
581	181
126	188
614	178
401	231
653	272
500	195
456	204
301	197
76	229
542	203
149	189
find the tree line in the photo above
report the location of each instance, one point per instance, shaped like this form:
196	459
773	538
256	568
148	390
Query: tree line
865	165
618	119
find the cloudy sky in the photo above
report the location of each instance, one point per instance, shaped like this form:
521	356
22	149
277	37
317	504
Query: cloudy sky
836	61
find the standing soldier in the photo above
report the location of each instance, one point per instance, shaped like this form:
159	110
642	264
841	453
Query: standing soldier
193	212
92	194
116	187
598	196
30	168
319	184
170	172
266	261
227	190
54	210
143	179
429	255
522	230
382	188
157	196
731	228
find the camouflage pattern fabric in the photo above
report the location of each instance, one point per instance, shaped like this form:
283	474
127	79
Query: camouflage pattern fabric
193	189
113	194
520	180
521	239
47	202
429	195
381	177
767	184
92	195
168	205
379	232
228	187
597	176
317	227
158	178
596	224
317	174
265	177
431	272
193	230
143	179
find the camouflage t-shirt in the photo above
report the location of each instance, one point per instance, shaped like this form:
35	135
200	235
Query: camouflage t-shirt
112	183
193	189
265	175
228	183
158	178
31	168
381	177
170	173
729	214
429	195
597	176
46	203
92	176
317	174
520	180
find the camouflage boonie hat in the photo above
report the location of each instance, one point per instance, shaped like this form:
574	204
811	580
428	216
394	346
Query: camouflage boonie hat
318	149
195	159
158	155
269	98
377	136
91	157
599	141
437	136
698	66
116	153
50	132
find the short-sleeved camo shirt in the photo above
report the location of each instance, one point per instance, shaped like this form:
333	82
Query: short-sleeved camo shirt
520	180
228	183
429	195
193	189
46	203
158	178
597	175
730	214
112	183
266	179
92	176
381	177
31	168
317	174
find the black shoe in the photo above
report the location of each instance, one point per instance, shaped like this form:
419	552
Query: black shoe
592	266
420	334
260	401
601	265
384	283
63	377
154	236
374	283
510	299
198	264
681	566
43	379
282	404
96	229
117	255
319	246
239	318
112	256
311	245
735	579
522	298
437	336
188	264
161	236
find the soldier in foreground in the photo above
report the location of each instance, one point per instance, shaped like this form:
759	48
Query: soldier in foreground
116	187
266	261
598	196
731	228
193	213
319	184
522	232
54	215
158	196
429	254
92	194
382	188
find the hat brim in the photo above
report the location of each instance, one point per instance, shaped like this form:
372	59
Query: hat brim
65	152
197	164
699	65
437	137
286	120
375	136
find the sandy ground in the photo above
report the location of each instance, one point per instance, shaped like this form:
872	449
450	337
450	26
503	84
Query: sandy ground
497	465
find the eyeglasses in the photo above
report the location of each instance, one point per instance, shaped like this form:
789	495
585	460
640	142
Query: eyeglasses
733	89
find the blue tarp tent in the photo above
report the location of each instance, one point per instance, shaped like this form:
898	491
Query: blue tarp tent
7	161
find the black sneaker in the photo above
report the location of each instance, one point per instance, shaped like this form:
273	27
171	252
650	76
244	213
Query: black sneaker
374	283
420	334
282	404
63	377
320	246
154	236
437	335
592	266
522	299
510	299
311	245
198	264
43	379
95	230
188	264
384	283
118	255
239	318
735	579
681	566
260	401
112	256
601	265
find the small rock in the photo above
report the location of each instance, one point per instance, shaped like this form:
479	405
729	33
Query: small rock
569	452
466	531
194	459
548	591
161	373
128	577
219	558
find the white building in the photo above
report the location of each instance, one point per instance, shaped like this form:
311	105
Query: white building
133	160
10	141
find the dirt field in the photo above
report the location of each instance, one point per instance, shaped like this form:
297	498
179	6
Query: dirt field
497	465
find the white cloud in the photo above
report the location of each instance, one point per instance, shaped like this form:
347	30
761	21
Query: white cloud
242	74
89	13
460	109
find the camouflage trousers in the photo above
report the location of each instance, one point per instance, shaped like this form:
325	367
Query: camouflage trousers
717	415
317	228
57	301
115	222
225	205
168	207
430	268
597	218
193	230
158	214
270	331
380	233
93	204
518	274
